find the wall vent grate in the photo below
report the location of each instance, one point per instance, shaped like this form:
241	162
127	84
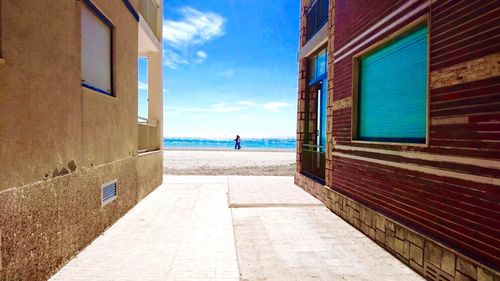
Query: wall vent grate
433	273
108	193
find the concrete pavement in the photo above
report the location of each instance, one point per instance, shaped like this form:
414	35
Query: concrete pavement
185	230
259	191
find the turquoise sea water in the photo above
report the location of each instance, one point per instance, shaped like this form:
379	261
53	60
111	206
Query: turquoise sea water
246	144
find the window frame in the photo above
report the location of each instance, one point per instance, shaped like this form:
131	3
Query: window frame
356	59
102	17
147	91
313	57
321	81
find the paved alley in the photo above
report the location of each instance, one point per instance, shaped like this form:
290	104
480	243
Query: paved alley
185	230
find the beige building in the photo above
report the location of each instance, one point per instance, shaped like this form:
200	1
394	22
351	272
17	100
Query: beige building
73	156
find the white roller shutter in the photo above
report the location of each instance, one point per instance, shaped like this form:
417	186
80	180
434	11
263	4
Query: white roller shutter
96	52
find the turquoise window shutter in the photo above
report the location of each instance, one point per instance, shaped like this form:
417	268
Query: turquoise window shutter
393	89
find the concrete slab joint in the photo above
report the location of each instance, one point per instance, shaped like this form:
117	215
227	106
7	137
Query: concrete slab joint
421	253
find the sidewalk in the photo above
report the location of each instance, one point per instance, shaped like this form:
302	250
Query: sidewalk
185	231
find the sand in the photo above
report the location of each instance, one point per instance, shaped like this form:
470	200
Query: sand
229	162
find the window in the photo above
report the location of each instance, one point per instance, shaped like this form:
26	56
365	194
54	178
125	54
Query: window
318	67
314	146
318	79
143	92
316	17
96	50
392	90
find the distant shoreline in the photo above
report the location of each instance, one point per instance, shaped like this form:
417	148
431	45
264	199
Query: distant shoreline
227	149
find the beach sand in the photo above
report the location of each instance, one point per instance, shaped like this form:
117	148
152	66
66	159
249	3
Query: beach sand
229	162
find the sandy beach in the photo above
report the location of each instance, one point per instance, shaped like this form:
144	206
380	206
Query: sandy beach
229	162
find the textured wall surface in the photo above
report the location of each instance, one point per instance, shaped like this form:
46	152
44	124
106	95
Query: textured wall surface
423	254
47	222
448	190
46	118
149	172
60	142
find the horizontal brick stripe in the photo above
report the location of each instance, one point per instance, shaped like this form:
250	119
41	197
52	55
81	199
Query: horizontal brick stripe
478	69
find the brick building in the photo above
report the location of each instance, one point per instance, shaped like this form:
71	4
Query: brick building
397	127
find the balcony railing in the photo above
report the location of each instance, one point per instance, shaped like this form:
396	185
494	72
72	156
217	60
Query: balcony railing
149	139
313	161
317	16
150	11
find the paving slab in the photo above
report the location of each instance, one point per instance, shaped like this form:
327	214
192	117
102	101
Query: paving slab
181	231
309	244
259	191
185	230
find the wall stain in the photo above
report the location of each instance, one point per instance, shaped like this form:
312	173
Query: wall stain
63	172
72	166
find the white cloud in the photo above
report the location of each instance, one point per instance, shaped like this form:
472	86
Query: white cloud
172	59
218	105
246	102
142	86
195	28
213	108
227	109
170	113
276	106
246	117
226	73
201	56
243	105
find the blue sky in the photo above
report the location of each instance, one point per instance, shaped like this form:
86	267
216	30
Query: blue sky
230	67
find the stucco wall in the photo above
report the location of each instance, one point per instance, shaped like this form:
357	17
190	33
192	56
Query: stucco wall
44	224
40	108
46	118
60	142
149	172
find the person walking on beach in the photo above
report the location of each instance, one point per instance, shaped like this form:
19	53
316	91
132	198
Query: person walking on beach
237	141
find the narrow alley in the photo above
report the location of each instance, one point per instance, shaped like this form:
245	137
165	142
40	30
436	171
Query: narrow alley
185	230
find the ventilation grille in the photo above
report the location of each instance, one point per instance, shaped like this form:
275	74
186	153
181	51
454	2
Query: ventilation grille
433	273
108	192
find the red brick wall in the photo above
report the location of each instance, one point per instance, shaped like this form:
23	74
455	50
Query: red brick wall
329	119
454	202
301	109
307	100
358	15
463	31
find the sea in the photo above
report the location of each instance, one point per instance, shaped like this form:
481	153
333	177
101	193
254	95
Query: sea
226	144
